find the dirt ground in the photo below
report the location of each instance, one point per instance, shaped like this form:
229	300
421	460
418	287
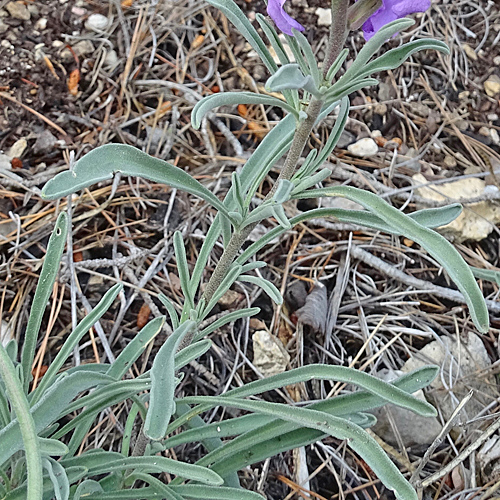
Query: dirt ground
71	81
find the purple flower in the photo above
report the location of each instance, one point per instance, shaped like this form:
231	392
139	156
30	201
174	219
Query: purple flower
390	11
282	20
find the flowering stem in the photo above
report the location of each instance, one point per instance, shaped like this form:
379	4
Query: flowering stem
239	238
338	33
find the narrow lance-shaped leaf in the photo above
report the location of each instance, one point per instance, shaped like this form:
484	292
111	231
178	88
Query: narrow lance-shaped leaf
372	46
438	246
232	98
72	341
48	409
135	348
103	162
361	442
395	57
158	464
228	318
42	293
58	476
261	441
432	217
161	402
231	10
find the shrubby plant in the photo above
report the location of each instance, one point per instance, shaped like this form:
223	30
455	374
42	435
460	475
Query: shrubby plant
39	450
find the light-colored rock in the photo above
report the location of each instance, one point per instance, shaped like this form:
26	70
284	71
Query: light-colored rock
494	136
230	299
413	429
496	60
324	16
18	10
17	149
97	22
484	131
363	148
450	161
45	142
462	363
492	86
477	220
41	24
471	53
111	59
3	27
269	355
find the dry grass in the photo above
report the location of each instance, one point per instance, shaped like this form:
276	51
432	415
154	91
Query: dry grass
169	55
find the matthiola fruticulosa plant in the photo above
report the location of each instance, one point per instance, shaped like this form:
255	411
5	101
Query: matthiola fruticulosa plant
307	91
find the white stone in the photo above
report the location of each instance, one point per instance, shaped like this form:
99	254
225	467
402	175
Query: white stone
97	22
41	24
494	136
363	147
18	148
111	59
492	86
463	364
324	16
269	355
476	221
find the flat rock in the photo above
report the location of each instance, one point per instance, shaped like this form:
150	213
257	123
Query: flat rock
363	148
269	355
477	220
45	142
413	429
462	363
18	10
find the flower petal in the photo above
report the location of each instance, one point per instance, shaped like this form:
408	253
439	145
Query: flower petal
390	11
282	20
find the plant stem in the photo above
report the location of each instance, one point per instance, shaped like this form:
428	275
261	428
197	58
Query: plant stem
20	405
338	33
240	237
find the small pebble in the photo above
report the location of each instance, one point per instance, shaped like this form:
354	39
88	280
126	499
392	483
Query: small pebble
494	136
484	131
41	24
18	148
492	86
450	162
363	147
97	22
324	16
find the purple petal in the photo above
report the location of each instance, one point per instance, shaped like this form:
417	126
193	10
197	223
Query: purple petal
390	11
282	20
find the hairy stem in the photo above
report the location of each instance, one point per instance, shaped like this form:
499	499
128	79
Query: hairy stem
338	33
240	237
